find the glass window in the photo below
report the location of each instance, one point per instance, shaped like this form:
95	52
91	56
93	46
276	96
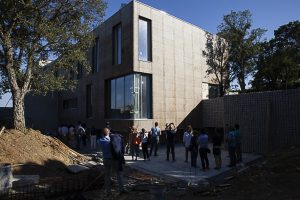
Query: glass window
130	97
213	91
95	56
144	39
117	44
70	104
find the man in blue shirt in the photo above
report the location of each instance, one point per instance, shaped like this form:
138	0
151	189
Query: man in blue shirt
155	134
110	162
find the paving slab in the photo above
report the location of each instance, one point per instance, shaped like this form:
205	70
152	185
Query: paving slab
181	171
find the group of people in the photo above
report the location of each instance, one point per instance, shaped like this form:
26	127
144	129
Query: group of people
113	148
195	144
151	139
77	136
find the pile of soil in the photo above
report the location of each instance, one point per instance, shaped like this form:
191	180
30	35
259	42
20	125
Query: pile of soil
35	148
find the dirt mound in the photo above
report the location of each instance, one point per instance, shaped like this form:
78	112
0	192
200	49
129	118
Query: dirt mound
36	148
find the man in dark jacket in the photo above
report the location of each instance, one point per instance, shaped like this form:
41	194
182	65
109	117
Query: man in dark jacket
170	134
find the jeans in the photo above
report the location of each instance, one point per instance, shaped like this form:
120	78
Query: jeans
93	141
109	165
204	159
239	152
170	146
135	150
186	154
154	145
145	150
232	151
194	155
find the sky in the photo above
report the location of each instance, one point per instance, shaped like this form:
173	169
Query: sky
208	14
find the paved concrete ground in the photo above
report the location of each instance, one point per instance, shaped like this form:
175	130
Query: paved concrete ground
179	169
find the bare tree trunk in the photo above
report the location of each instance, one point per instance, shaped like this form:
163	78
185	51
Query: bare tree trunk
18	108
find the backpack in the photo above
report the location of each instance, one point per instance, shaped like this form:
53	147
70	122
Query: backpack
117	146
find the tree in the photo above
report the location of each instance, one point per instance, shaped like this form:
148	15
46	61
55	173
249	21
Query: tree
278	65
33	32
216	53
243	43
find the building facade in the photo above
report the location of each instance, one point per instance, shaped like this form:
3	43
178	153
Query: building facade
147	66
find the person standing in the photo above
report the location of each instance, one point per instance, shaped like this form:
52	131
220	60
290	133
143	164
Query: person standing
217	142
203	150
155	134
170	135
84	134
78	134
135	143
232	147
187	136
238	138
193	149
111	159
144	138
93	138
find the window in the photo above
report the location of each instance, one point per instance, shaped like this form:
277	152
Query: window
95	56
213	91
89	108
70	104
130	97
117	44
144	39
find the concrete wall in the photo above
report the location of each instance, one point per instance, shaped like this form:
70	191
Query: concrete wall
6	117
41	112
106	71
268	120
178	67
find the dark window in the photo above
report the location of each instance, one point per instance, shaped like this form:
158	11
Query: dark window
117	44
70	104
95	56
213	91
145	51
130	97
89	107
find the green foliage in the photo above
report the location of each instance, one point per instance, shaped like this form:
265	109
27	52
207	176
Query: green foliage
243	42
278	67
216	53
46	30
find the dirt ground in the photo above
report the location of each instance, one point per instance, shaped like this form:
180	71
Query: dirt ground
277	176
35	153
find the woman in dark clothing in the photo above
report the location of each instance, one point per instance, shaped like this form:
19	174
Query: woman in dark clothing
217	142
194	150
145	139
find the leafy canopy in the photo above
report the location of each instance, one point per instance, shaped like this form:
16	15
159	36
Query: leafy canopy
33	32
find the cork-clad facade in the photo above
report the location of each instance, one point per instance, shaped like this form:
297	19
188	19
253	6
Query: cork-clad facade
147	66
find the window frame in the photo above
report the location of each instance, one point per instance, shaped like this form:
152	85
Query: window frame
149	39
117	44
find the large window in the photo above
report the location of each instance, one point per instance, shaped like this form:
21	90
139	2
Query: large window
117	44
69	104
89	108
144	39
130	97
95	56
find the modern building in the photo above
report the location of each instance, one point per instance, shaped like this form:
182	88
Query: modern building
147	66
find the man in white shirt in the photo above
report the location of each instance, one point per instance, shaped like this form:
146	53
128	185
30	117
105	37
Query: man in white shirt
187	136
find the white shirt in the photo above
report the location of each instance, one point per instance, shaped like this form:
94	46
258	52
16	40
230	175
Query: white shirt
187	136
